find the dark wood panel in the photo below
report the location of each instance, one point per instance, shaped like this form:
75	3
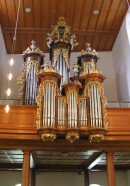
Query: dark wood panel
11	9
4	19
21	18
102	43
112	13
29	16
119	15
103	14
94	18
46	21
78	14
53	12
109	45
62	8
96	40
37	9
70	10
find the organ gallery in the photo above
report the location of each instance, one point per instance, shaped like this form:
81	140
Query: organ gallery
70	100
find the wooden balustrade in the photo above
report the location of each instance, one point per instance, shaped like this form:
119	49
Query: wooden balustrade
18	127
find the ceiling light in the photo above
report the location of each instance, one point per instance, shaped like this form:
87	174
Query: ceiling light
27	10
95	12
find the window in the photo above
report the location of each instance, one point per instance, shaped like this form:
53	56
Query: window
19	184
95	185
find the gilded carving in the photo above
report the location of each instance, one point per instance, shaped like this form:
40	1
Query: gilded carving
39	108
69	93
30	64
52	83
33	49
72	136
21	82
65	54
56	55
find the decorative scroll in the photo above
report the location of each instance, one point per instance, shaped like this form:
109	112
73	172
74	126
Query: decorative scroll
61	30
61	51
88	67
56	55
52	83
21	82
65	53
33	49
39	107
30	64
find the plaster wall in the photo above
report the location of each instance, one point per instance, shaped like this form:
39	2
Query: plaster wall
63	178
121	61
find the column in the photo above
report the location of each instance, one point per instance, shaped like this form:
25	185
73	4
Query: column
33	177
26	169
110	169
86	178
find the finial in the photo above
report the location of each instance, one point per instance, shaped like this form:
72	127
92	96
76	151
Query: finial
33	49
33	45
88	47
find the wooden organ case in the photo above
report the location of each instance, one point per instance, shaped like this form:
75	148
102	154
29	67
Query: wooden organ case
72	107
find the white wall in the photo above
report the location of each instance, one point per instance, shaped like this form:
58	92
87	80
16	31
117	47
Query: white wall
59	179
11	178
121	60
105	63
3	60
16	71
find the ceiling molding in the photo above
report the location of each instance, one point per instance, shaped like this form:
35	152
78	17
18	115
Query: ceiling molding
10	30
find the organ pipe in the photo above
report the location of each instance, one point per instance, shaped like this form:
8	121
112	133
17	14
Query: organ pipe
80	101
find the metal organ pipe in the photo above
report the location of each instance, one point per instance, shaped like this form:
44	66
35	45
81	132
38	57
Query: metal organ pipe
72	111
95	105
49	106
31	87
83	113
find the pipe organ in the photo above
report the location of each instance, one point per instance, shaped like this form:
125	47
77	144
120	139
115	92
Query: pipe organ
60	48
28	81
67	107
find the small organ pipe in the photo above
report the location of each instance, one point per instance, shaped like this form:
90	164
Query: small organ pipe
44	110
95	103
98	108
54	109
73	110
82	113
51	105
92	106
46	106
58	112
